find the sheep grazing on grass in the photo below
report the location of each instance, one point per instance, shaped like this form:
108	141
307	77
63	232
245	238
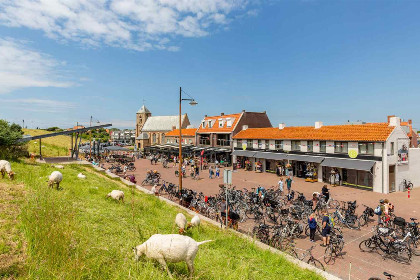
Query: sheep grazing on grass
171	248
81	176
181	222
55	178
155	190
117	195
5	167
195	222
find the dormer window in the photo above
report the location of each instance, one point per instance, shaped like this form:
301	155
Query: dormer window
203	124
221	123
229	122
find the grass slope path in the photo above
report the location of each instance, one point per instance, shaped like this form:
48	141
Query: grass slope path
76	233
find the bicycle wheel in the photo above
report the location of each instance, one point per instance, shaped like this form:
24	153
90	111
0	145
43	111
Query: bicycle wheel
366	245
328	255
363	220
307	231
334	204
353	223
414	245
404	255
316	263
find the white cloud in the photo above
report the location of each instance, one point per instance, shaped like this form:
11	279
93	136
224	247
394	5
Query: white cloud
133	24
39	105
21	67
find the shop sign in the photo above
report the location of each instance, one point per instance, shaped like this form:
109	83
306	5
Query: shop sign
244	147
353	153
402	151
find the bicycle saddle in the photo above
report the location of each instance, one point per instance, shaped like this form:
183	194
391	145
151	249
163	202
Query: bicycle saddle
414	219
388	275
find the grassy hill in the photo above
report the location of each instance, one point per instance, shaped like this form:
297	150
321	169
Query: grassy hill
76	233
51	147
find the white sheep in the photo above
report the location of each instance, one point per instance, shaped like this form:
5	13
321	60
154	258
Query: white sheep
55	178
181	222
81	176
117	195
5	167
195	221
171	248
155	190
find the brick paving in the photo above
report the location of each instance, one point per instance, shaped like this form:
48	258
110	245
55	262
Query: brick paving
356	264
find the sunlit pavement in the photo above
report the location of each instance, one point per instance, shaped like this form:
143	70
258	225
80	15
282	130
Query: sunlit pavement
356	264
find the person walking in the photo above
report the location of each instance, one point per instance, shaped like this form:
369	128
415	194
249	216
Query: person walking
312	227
210	172
326	229
337	178
281	184
326	193
380	211
217	172
289	183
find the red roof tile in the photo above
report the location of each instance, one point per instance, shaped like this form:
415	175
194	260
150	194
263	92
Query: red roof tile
215	128
185	132
353	132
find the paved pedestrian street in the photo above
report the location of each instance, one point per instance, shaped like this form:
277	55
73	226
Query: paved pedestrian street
357	264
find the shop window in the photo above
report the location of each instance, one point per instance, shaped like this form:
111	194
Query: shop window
323	146
267	144
366	148
249	143
295	145
310	146
341	147
278	145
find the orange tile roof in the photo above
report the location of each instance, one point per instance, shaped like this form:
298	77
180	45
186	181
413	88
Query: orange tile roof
215	128
185	132
348	132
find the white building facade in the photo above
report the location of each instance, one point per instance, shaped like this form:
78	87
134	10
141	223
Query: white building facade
373	156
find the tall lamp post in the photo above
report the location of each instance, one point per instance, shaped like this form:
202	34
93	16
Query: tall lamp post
192	103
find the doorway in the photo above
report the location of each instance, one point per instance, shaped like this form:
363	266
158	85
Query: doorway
392	178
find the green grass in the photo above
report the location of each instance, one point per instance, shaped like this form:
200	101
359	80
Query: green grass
51	147
76	233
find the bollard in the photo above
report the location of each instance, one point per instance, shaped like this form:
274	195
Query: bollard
408	193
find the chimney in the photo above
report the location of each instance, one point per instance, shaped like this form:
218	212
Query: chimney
394	121
318	125
243	111
410	122
244	127
222	114
282	125
205	116
389	118
173	127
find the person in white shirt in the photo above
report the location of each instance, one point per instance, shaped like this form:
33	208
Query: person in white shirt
281	183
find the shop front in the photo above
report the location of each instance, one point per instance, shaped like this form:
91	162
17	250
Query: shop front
243	159
348	172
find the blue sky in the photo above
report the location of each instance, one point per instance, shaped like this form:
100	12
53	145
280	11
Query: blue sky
301	61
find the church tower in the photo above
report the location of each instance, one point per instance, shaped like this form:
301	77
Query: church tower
141	116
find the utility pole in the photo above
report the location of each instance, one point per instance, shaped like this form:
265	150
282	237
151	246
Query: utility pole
180	145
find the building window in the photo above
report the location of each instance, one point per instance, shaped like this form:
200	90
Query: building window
366	148
203	124
341	147
220	123
322	146
392	149
267	144
229	122
154	138
249	143
295	145
278	145
260	143
310	146
163	138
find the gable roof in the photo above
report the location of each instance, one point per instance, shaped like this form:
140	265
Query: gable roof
215	127
185	132
143	109
349	132
162	123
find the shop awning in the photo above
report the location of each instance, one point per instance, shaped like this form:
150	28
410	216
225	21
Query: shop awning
306	158
268	155
243	153
364	165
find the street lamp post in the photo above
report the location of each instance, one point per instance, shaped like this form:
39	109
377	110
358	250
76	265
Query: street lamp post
192	102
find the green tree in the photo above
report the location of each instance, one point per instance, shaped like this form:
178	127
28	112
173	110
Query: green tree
10	134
